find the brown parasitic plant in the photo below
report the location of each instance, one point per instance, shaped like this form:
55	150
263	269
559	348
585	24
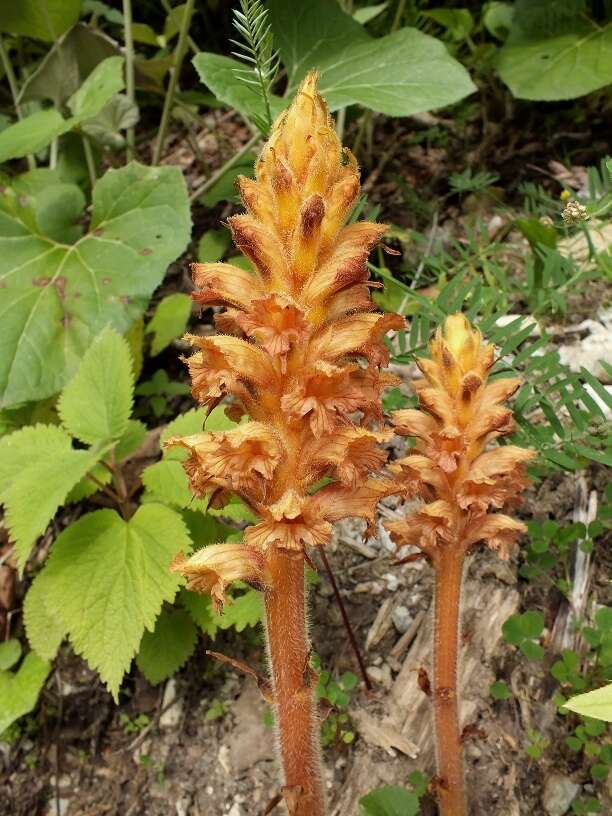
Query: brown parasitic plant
462	482
300	354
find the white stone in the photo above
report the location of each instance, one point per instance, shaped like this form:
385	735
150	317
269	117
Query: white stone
559	792
402	619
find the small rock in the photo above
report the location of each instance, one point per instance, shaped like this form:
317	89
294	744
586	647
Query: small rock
235	810
392	581
559	792
402	619
223	757
58	808
171	706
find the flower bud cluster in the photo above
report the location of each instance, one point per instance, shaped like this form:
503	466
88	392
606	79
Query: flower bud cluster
300	353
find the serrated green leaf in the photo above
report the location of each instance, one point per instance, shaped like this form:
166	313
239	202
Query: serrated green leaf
19	691
55	298
565	66
192	422
10	652
201	610
96	404
169	321
38	469
596	704
109	579
166	482
400	74
45	630
245	610
390	800
168	647
43	21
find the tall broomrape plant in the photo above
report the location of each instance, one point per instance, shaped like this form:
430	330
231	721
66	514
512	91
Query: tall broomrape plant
462	482
300	355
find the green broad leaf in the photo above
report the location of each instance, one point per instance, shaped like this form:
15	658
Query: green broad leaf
201	610
390	800
101	85
531	650
10	652
32	134
43	20
133	437
96	404
218	74
117	115
596	704
499	690
56	297
213	245
364	14
168	647
564	66
166	482
39	129
459	22
19	691
169	321
244	610
45	630
108	579
67	65
143	33
531	623
224	189
193	422
100	9
403	73
206	529
38	469
235	509
497	18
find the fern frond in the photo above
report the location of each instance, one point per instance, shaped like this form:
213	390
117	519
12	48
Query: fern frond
256	48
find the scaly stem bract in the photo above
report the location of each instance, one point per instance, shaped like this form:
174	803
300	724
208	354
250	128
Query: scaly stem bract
181	48
293	683
449	751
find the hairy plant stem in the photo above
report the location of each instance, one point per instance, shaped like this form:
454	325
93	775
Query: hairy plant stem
293	684
181	48
129	70
448	567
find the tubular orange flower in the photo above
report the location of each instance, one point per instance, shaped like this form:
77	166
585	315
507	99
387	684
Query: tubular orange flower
460	413
303	362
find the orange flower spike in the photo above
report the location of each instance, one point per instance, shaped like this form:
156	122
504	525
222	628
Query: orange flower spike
461	483
303	362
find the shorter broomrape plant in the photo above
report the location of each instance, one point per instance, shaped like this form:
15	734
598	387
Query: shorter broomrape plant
296	328
461	482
